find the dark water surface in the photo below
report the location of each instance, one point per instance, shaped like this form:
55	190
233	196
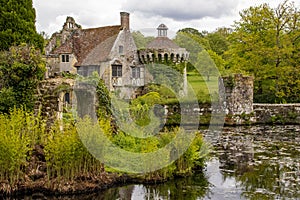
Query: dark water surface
259	162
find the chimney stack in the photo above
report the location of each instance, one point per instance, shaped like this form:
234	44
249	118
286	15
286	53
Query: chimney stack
124	20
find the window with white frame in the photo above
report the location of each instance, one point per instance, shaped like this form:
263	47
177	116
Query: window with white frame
136	72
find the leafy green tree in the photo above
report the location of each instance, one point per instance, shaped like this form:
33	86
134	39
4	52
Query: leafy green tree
20	70
191	31
140	40
210	63
17	24
193	43
218	41
264	44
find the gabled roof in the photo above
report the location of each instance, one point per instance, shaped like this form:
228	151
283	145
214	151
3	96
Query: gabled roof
84	41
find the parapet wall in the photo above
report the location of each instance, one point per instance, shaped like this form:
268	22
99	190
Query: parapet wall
277	113
261	114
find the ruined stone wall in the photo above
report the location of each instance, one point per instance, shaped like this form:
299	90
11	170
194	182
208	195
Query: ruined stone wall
236	94
51	98
261	114
51	102
277	113
236	100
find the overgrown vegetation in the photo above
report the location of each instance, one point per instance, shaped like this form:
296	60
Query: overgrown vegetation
21	68
66	158
19	132
22	132
133	135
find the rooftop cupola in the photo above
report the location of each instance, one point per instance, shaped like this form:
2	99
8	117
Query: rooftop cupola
162	30
163	48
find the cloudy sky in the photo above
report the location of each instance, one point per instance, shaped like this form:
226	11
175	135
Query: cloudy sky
145	15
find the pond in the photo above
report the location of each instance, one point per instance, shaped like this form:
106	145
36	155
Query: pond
257	162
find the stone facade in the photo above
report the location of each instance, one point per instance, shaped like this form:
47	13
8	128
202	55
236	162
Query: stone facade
110	51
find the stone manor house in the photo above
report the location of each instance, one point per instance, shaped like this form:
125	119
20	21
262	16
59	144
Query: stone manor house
110	51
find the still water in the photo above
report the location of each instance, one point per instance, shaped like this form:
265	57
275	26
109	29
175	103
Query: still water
259	162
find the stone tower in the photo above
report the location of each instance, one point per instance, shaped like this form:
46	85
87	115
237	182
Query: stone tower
163	50
237	94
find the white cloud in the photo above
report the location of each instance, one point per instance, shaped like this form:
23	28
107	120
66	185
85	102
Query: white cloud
88	13
182	10
144	15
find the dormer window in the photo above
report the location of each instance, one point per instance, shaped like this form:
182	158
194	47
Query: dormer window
121	49
65	58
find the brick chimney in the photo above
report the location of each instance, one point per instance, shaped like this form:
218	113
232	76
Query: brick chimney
124	20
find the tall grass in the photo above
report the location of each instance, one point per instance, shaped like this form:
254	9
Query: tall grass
19	132
67	157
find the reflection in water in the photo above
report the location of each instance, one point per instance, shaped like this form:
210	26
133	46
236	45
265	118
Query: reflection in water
183	188
260	162
264	160
221	187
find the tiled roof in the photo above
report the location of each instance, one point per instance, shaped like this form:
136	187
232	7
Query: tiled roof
84	42
100	53
65	48
162	43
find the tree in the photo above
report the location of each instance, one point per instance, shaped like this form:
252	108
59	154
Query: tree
264	43
17	24
20	70
191	31
209	63
218	42
140	40
193	44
